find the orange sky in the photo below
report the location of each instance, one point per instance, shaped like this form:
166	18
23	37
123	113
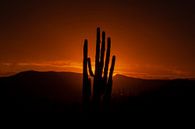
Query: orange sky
150	39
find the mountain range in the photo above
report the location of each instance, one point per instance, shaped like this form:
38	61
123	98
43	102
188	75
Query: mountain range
33	91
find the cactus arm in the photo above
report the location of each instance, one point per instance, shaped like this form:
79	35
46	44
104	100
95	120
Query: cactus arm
107	59
108	89
85	54
102	52
112	69
90	68
86	89
85	74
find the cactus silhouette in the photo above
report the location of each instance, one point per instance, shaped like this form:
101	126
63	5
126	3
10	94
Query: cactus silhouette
102	82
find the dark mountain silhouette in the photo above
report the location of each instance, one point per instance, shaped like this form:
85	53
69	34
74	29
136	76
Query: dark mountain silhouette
62	91
41	91
135	95
142	87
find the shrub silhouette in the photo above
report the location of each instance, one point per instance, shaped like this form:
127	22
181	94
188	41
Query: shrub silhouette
102	82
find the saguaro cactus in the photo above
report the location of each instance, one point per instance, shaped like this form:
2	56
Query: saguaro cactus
102	83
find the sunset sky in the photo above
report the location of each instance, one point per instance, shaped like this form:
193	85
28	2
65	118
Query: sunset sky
150	38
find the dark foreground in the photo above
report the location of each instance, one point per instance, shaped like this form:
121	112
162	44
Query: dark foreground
53	92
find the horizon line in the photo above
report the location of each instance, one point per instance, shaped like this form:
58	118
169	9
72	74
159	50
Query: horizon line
149	77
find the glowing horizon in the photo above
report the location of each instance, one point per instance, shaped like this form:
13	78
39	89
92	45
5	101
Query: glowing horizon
68	66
